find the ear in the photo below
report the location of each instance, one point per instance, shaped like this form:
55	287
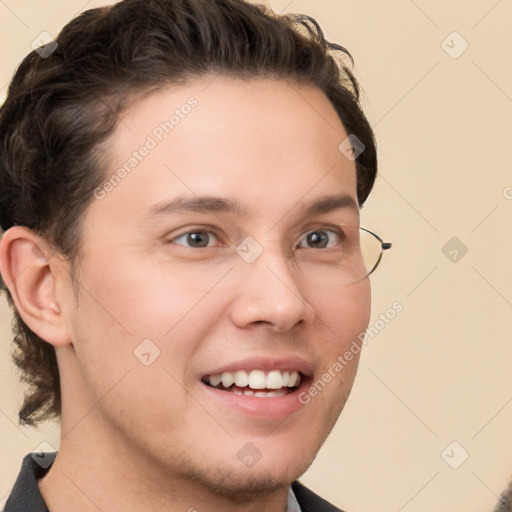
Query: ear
31	270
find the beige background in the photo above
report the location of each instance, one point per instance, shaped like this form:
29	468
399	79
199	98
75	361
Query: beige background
441	370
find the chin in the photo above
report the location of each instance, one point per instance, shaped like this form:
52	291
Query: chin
241	483
246	486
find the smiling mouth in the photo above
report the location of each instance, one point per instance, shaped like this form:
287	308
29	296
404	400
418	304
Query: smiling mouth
257	383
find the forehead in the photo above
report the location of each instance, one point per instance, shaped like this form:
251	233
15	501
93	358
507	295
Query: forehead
269	143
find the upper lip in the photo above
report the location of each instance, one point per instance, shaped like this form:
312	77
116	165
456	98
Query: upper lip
292	363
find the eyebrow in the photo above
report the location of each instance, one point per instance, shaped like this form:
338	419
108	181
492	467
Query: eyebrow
329	203
198	204
213	204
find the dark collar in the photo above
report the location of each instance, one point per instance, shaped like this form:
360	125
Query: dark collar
310	502
25	495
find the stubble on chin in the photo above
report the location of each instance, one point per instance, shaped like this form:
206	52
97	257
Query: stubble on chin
238	483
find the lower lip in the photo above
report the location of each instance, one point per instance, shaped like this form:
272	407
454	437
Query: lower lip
276	407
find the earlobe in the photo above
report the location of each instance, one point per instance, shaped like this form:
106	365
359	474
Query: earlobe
31	272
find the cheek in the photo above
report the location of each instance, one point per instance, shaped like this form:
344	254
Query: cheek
345	316
125	320
139	300
128	309
345	313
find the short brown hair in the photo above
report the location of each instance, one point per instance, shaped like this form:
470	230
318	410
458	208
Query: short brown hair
59	110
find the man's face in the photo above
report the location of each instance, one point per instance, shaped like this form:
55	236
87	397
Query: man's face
174	278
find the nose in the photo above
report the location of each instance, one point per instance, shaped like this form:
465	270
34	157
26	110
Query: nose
268	293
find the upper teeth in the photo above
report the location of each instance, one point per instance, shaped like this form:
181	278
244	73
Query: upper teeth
256	379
